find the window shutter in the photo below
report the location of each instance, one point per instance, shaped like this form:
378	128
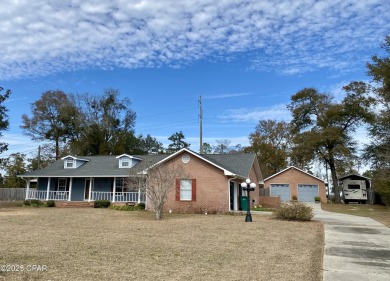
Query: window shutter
193	189
177	190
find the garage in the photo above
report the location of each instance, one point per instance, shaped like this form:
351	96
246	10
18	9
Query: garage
282	190
307	192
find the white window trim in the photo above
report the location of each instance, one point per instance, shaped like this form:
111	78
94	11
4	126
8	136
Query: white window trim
187	189
119	184
124	160
70	161
64	187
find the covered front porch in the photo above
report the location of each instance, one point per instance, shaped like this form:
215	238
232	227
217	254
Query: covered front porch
84	189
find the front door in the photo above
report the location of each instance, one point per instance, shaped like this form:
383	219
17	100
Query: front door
86	189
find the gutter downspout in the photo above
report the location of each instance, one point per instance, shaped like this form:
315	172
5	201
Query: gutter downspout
229	180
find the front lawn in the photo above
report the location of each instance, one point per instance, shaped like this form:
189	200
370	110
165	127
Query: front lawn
105	244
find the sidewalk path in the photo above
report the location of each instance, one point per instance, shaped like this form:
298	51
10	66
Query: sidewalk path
356	248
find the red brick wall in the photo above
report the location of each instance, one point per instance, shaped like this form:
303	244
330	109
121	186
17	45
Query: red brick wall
212	187
254	195
212	191
270	202
293	177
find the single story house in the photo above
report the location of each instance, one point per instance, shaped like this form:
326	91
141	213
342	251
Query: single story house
212	182
294	182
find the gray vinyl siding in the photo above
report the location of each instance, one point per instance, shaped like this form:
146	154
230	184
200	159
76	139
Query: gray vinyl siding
78	185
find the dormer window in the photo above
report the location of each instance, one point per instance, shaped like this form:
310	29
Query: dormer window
127	161
70	163
124	162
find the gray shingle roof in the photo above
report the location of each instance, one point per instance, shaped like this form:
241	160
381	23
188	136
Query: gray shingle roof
108	166
239	164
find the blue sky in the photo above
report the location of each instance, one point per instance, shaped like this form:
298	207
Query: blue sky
244	57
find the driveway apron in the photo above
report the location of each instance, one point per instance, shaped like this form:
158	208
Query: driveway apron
356	248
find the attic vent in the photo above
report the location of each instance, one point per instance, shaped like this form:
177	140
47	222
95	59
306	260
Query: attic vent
185	158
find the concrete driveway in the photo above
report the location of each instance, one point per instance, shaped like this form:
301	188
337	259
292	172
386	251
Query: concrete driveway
356	248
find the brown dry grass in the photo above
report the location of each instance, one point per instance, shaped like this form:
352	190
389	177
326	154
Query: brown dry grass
104	244
377	212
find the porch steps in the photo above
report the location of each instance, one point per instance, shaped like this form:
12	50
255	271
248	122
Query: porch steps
73	204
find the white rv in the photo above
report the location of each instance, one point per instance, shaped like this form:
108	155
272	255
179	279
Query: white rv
355	188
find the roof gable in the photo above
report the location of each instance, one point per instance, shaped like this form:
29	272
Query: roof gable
295	168
226	172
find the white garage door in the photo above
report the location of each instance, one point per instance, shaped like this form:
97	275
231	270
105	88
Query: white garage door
282	190
307	192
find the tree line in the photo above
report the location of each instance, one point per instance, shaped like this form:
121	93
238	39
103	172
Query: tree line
321	130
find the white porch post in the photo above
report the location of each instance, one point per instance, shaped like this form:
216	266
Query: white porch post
48	188
70	188
235	197
139	195
90	189
113	190
27	188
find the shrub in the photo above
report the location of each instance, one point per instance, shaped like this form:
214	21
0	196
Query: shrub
293	211
137	207
294	198
101	204
317	199
50	203
141	206
34	203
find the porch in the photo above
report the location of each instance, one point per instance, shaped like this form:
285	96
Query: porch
134	197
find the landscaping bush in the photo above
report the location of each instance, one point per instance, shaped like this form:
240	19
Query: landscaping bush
50	203
101	204
141	206
317	199
34	203
137	207
293	211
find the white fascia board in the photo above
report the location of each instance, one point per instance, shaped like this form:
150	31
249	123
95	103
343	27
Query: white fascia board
226	172
127	155
74	158
293	167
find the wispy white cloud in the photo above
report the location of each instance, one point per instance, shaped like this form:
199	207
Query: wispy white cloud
225	96
43	37
277	112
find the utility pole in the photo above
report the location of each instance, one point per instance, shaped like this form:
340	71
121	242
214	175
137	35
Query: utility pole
200	125
39	157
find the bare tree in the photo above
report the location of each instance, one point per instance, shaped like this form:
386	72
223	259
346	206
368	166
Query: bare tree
222	146
158	183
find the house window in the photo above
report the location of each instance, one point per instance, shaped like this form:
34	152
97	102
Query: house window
120	185
61	184
69	163
186	190
124	162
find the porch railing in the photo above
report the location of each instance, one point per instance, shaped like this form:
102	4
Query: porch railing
136	197
119	196
42	195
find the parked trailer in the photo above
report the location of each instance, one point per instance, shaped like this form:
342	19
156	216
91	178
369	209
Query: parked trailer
355	188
